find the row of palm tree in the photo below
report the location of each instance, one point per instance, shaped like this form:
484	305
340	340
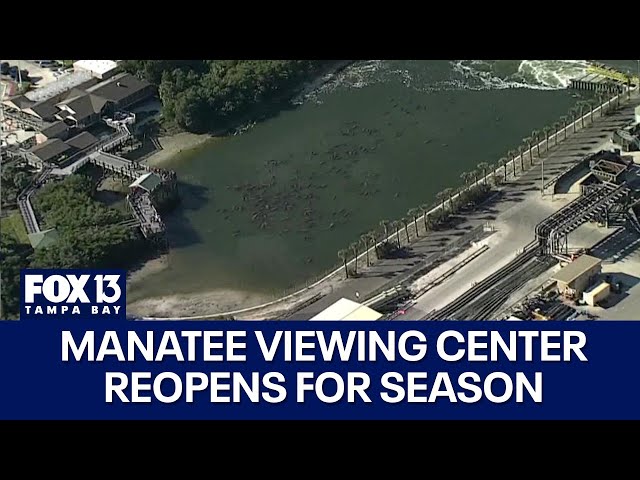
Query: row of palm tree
475	185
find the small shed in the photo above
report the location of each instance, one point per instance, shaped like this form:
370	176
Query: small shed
596	294
345	309
574	278
148	182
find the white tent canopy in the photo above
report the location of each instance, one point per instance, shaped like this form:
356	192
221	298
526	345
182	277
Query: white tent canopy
345	309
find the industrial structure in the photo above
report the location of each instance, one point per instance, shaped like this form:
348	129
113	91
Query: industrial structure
576	277
345	309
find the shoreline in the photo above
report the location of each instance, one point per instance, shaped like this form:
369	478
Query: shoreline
222	299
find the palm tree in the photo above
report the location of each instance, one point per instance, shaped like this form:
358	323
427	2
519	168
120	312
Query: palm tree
556	131
385	226
474	174
483	166
492	167
503	163
546	130
442	197
580	107
563	120
466	177
373	238
405	223
396	224
512	155
365	241
354	249
343	254
414	212
425	216
535	134
528	141
449	193
573	112
521	155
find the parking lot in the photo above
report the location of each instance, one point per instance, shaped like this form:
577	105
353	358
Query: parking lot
38	76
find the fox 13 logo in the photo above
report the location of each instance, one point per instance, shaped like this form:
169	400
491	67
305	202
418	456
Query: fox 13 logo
66	294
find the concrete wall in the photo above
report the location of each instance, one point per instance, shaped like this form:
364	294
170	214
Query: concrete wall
581	283
638	114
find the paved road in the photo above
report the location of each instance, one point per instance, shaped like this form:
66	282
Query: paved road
517	210
519	218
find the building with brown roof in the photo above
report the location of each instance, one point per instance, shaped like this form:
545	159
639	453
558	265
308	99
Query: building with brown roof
51	151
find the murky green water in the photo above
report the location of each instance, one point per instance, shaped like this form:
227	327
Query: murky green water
270	208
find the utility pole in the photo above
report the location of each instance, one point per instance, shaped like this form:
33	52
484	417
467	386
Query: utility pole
542	180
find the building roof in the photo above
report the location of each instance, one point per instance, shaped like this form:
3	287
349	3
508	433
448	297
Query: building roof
55	130
82	141
43	239
148	181
19	102
85	105
50	149
99	67
345	309
575	269
118	87
44	109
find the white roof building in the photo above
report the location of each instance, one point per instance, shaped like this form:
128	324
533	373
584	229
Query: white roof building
345	309
98	68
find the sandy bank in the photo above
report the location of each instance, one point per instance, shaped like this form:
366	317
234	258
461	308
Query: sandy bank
173	145
185	305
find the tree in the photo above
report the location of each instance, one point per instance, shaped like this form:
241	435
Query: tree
581	105
373	238
425	216
521	156
343	255
482	167
474	174
442	197
449	193
492	167
512	154
396	225
591	107
414	213
564	120
405	223
385	226
573	113
354	250
365	241
528	141
535	134
466	178
557	126
503	163
546	130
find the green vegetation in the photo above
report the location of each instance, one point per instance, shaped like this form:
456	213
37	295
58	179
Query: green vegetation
13	226
15	256
15	178
215	95
91	235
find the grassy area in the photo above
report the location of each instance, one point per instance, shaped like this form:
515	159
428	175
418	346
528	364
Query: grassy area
13	225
